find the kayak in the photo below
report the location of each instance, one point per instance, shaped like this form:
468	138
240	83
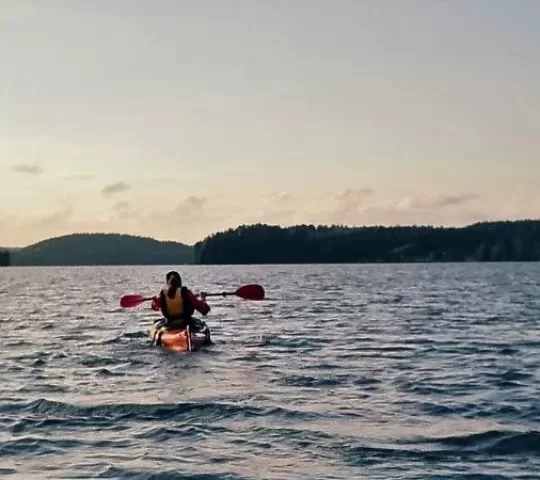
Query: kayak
179	339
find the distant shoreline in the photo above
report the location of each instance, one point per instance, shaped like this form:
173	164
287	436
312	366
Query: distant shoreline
308	244
260	244
199	265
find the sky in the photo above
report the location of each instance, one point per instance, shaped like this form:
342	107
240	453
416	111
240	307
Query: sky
177	119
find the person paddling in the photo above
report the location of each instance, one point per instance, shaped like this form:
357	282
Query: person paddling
178	304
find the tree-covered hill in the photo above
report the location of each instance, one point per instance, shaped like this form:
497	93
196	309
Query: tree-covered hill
496	241
103	249
263	244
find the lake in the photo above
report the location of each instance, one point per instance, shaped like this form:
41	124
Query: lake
425	371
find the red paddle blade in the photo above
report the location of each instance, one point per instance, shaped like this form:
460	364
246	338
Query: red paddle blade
128	301
250	292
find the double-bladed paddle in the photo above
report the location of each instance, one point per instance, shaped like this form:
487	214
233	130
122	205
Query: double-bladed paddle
246	292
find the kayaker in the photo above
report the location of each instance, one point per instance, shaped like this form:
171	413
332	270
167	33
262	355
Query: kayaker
178	304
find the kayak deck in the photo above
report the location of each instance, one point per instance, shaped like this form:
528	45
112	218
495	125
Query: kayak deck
179	340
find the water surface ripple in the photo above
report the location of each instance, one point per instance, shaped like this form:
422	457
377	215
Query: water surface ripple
350	371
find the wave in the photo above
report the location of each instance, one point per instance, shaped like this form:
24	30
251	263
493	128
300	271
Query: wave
491	444
114	472
514	411
46	445
210	411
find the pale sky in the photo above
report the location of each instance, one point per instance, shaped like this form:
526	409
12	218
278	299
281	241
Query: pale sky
176	119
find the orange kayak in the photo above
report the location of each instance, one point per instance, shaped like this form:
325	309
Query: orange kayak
179	340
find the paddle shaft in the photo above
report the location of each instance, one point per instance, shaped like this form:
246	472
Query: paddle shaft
222	294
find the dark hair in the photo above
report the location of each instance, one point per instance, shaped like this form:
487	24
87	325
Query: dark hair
175	281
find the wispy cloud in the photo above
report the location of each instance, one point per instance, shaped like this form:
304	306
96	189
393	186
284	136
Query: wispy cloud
121	206
113	188
281	197
28	168
191	209
59	217
438	202
355	195
191	204
77	178
349	202
451	200
196	202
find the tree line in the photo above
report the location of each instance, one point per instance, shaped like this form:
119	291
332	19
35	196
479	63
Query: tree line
263	244
5	259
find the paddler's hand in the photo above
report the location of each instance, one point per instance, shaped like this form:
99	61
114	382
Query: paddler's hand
155	304
203	296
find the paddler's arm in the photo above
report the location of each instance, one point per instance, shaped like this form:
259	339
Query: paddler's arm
156	303
200	305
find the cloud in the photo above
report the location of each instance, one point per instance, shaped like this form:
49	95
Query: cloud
362	207
354	195
27	168
113	188
194	202
435	203
121	206
76	178
55	218
452	200
280	197
191	209
349	203
188	220
190	213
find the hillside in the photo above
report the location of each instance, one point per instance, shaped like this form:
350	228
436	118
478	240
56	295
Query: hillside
103	249
260	244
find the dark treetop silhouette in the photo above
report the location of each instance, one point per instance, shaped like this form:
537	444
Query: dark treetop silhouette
497	241
4	258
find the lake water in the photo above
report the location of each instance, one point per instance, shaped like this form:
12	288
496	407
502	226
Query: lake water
344	372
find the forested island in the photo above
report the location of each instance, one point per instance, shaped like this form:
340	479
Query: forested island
264	244
102	249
